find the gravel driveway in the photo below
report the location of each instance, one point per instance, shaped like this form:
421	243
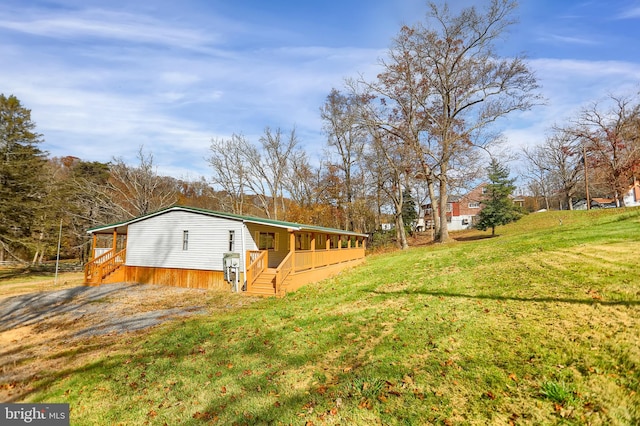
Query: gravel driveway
107	309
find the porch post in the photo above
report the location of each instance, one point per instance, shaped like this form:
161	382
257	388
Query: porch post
313	250
94	243
292	249
339	242
115	239
327	242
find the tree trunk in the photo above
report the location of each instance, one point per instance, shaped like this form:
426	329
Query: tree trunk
434	208
443	235
401	235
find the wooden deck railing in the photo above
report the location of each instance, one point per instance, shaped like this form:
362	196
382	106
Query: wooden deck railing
309	259
99	268
283	271
257	261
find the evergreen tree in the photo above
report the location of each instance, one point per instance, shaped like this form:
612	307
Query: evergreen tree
498	209
409	212
22	184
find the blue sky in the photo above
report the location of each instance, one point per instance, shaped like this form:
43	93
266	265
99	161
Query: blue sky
103	78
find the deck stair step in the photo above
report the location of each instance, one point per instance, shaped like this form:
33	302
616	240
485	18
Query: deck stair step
264	285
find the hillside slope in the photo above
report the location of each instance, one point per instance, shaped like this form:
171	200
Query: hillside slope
540	325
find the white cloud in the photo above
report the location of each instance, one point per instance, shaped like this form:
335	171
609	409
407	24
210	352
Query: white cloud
105	25
631	13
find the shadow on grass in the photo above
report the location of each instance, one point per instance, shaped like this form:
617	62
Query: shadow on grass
513	298
28	309
474	237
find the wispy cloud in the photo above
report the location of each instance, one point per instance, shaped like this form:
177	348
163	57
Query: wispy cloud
630	13
104	24
570	39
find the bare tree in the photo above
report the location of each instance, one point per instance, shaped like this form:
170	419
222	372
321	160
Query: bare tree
611	135
277	150
556	166
136	191
392	160
448	78
347	136
230	166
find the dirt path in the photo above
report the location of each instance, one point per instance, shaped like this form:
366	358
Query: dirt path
38	328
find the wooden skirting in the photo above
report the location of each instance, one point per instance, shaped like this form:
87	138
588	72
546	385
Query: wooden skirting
299	279
189	278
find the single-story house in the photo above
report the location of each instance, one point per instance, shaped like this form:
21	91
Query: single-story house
197	248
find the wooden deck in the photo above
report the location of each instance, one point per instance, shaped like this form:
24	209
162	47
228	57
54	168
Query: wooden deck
297	269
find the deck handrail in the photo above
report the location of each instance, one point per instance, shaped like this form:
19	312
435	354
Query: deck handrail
283	270
103	265
91	266
258	261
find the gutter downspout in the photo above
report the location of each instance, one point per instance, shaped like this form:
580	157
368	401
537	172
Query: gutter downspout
244	257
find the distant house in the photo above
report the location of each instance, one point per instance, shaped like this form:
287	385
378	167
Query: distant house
189	247
461	211
632	197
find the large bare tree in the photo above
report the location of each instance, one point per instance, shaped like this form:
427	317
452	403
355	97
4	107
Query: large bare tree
346	137
445	77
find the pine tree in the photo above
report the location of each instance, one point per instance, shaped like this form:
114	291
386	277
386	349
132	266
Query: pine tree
22	185
498	209
409	212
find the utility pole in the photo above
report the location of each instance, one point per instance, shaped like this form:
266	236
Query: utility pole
586	175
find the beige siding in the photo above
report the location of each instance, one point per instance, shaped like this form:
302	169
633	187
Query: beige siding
282	245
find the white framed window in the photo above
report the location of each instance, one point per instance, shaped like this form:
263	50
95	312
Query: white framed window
232	240
474	205
185	240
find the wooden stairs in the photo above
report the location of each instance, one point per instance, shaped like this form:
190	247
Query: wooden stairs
264	285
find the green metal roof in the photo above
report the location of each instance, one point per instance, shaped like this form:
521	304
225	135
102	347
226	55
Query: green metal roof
247	219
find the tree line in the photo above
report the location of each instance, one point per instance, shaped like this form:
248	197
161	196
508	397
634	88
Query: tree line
420	131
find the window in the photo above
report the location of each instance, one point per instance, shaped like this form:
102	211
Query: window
484	189
267	241
474	205
185	240
303	241
232	240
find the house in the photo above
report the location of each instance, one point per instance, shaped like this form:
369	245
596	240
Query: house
190	247
632	197
461	211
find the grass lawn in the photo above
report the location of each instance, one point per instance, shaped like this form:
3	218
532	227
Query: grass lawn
540	325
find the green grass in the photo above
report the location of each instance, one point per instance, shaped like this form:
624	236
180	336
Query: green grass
540	325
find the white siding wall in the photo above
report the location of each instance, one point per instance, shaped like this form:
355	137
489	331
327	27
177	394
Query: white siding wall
457	225
157	241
